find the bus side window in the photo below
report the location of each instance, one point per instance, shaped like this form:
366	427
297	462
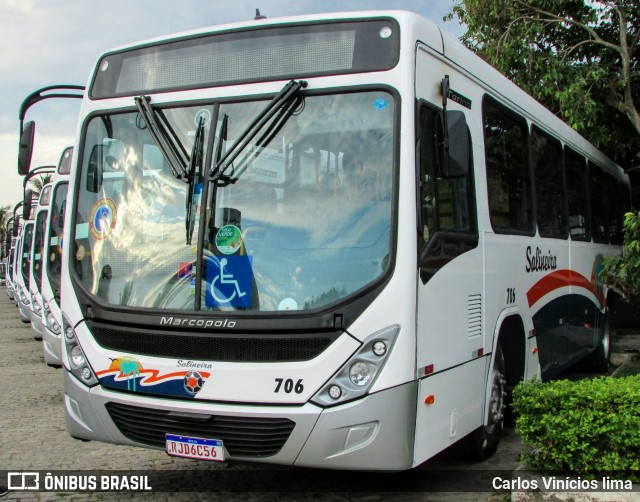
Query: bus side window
622	205
446	202
508	175
546	154
577	195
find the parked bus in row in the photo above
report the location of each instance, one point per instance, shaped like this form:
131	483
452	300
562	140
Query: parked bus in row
10	246
51	264
35	265
15	234
3	271
22	269
33	204
324	241
32	260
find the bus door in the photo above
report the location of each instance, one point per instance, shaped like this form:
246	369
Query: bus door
449	338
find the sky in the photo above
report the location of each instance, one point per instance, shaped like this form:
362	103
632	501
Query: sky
58	42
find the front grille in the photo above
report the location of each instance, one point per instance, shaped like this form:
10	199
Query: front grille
241	436
212	346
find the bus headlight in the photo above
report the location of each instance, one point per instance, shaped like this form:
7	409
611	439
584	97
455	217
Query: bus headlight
23	296
50	319
361	373
356	377
76	356
36	307
52	323
78	364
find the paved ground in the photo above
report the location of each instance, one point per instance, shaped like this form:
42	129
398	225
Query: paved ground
33	437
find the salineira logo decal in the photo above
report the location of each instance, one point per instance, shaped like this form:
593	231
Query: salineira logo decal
128	373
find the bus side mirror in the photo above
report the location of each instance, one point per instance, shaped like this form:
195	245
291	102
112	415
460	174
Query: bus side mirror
26	206
95	169
26	147
453	144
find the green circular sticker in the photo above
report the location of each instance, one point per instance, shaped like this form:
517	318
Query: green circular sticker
229	239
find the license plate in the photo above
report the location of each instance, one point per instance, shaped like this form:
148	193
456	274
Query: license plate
198	448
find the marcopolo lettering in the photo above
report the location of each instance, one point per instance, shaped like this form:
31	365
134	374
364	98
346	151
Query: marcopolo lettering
539	261
197	323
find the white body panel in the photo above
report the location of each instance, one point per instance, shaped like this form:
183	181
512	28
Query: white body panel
51	341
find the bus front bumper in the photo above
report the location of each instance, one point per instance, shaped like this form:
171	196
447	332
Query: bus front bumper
36	325
372	433
23	312
52	347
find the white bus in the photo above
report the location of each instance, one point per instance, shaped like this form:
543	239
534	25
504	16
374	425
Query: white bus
284	249
3	270
12	237
52	264
22	271
16	236
34	284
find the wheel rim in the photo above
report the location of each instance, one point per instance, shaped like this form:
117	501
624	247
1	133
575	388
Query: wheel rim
496	401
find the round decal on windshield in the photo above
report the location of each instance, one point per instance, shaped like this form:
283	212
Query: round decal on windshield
102	219
229	239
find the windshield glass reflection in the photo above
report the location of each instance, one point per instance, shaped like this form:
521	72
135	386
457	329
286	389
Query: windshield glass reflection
304	223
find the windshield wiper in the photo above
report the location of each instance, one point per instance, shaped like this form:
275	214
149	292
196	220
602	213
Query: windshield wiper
282	106
194	179
164	138
222	139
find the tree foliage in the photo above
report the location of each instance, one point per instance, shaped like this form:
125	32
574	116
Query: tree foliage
578	57
625	270
37	184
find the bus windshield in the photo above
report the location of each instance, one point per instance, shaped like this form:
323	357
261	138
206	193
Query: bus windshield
56	234
26	253
38	248
302	220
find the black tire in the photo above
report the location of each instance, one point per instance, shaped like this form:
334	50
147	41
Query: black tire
483	442
601	357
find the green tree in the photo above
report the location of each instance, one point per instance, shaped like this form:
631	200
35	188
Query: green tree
37	184
580	58
625	271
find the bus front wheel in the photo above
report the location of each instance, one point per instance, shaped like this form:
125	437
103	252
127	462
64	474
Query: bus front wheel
482	442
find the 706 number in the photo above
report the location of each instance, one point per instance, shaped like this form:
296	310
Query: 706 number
288	386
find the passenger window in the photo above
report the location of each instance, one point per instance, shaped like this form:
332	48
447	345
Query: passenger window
546	154
508	176
577	195
623	205
601	191
445	202
613	220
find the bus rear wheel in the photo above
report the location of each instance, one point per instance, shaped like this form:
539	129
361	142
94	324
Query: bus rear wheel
483	442
601	357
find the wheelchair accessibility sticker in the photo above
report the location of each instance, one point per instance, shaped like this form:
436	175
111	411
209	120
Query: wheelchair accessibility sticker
229	281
